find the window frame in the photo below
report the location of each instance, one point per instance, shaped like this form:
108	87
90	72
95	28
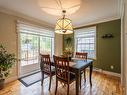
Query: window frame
95	41
39	36
31	30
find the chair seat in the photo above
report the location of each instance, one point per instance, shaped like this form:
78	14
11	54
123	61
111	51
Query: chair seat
72	77
52	71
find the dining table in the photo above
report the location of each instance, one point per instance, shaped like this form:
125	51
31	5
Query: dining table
78	65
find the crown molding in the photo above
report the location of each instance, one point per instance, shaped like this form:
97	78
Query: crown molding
93	23
46	24
26	17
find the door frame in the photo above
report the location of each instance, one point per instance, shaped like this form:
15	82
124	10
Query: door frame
19	53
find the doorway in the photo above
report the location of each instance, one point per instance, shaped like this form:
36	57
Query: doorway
31	45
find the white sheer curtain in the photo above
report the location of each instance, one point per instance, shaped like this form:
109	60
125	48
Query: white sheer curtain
33	29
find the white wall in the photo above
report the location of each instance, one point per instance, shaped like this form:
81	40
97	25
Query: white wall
58	44
9	37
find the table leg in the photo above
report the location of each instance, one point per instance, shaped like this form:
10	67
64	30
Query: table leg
77	82
91	69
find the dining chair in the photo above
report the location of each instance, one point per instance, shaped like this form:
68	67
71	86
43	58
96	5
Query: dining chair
62	72
46	68
83	56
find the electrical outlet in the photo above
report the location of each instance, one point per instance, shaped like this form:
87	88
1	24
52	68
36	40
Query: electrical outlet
112	67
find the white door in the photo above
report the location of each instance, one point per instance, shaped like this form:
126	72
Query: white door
31	46
29	53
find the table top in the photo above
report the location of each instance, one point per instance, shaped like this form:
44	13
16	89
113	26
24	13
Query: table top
79	64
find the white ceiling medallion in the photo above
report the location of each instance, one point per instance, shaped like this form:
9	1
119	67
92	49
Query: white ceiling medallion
55	7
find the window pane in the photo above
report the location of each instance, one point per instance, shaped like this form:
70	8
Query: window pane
85	41
46	45
30	47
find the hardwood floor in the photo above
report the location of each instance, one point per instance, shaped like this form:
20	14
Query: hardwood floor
102	85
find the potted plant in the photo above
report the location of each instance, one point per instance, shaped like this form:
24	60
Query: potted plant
7	60
68	52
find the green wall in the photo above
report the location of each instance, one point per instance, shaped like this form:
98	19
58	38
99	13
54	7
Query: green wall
107	50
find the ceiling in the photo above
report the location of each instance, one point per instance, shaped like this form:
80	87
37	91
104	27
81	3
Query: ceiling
90	11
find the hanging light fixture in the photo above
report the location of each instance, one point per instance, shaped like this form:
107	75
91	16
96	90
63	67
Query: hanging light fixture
56	7
64	25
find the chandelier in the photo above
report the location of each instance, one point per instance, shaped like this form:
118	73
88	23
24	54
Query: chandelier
64	25
61	7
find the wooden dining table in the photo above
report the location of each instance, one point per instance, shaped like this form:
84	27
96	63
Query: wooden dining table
76	66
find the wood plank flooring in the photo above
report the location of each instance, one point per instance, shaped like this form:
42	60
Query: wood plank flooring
102	85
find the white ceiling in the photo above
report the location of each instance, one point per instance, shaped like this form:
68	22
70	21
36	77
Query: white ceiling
89	12
55	7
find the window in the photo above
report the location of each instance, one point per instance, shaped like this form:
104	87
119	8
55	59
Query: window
85	41
33	41
29	49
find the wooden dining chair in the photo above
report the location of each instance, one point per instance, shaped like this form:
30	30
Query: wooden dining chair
46	68
62	72
83	56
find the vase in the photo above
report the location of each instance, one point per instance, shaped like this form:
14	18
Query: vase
2	83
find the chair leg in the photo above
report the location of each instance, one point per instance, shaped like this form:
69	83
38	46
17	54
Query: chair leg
56	86
42	78
85	75
50	82
67	89
80	80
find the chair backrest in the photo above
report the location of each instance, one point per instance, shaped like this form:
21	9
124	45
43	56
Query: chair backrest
81	55
62	68
45	63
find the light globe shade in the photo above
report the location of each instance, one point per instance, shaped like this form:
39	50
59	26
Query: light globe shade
64	26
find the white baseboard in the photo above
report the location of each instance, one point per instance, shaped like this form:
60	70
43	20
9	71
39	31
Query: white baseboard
16	77
107	72
112	73
11	79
